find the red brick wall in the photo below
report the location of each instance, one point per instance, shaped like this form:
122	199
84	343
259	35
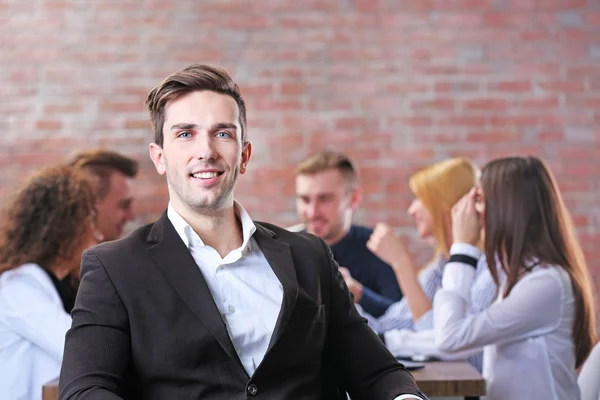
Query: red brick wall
397	84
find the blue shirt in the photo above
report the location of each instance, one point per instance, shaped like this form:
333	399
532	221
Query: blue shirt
380	287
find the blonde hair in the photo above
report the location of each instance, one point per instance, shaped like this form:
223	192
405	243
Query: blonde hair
329	159
439	187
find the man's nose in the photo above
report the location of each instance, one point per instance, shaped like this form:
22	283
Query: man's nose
312	209
205	148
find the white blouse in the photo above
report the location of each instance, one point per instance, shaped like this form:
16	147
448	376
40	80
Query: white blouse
528	348
33	324
589	378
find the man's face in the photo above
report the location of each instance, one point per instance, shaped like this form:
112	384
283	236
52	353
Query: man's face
116	208
325	204
202	153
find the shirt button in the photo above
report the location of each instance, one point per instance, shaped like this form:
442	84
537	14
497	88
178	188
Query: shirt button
231	309
252	389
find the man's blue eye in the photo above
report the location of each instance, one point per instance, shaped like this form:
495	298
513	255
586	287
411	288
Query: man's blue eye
224	134
184	134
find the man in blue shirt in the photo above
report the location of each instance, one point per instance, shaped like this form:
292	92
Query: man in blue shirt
327	194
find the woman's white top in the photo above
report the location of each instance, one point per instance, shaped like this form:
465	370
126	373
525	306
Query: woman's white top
589	378
528	347
33	324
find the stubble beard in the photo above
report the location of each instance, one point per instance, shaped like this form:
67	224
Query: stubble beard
210	202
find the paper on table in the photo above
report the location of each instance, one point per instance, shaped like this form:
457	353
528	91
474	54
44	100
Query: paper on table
408	344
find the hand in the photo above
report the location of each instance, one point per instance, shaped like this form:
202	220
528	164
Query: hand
466	224
388	246
355	287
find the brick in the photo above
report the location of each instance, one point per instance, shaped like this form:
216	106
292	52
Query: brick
520	121
48	125
540	103
511	86
463	120
63	108
492	137
434	104
551	136
486	104
292	88
110	106
441	70
562	86
592	18
348	123
410	121
258	90
264	104
407	87
137	124
456	87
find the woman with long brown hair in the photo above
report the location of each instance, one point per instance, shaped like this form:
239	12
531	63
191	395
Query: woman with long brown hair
43	233
541	328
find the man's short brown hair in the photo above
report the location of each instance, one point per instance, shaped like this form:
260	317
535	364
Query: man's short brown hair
329	159
196	77
101	164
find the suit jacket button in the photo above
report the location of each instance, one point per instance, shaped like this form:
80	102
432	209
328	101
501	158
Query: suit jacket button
252	389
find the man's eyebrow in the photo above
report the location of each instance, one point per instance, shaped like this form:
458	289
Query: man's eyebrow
216	126
223	125
184	125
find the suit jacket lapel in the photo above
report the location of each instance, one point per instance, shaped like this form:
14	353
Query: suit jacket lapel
174	259
279	256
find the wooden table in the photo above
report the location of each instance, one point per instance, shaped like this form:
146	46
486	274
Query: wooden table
50	390
450	378
439	378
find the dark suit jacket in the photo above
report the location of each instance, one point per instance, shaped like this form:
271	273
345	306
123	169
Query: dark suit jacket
145	326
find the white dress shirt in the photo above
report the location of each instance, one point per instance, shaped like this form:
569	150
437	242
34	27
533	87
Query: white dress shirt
33	324
528	349
244	287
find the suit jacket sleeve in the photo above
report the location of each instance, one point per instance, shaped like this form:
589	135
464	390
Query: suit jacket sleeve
363	366
97	347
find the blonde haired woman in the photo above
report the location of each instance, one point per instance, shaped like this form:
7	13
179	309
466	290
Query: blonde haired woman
436	189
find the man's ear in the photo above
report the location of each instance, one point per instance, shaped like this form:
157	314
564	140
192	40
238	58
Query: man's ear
158	158
246	153
355	198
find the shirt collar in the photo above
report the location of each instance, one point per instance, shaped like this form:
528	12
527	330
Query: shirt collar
187	234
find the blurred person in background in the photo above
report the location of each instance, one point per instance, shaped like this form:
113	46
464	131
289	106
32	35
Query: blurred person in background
111	175
541	328
327	194
407	326
43	232
436	189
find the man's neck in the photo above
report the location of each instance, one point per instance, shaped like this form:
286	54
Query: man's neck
338	238
220	229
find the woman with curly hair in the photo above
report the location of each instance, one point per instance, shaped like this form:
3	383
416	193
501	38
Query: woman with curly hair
43	233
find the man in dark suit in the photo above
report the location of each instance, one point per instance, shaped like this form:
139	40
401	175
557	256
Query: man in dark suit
206	303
